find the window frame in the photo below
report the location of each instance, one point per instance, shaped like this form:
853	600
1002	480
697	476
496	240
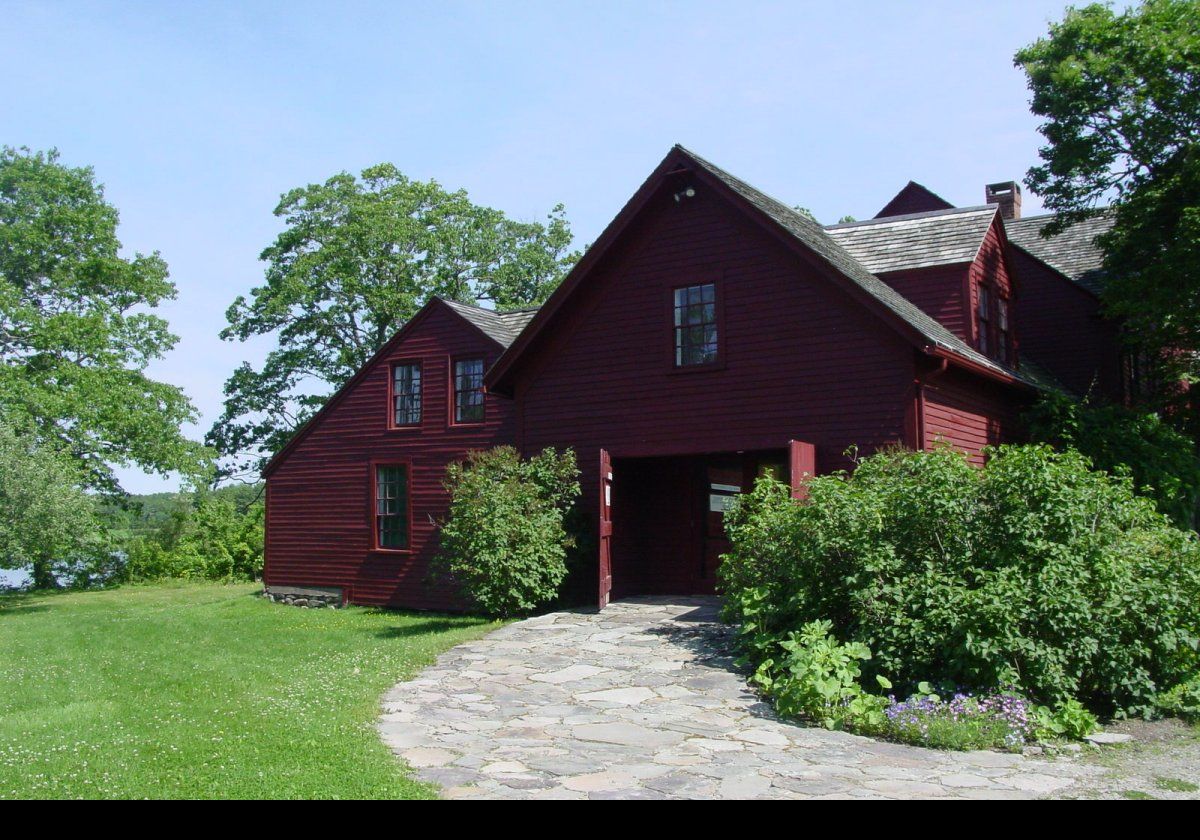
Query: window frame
392	424
1004	347
698	280
452	377
373	515
984	340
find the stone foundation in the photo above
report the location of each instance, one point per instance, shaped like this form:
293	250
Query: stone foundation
312	597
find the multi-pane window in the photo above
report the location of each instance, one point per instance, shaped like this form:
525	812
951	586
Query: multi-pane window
695	325
406	395
468	391
1002	330
391	506
985	320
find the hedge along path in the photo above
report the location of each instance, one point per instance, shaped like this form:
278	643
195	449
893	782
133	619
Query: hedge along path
642	701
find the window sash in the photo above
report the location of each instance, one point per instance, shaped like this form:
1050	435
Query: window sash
406	395
695	325
984	312
391	506
468	391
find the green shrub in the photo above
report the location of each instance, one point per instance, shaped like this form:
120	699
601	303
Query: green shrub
48	525
1068	720
815	677
1161	460
1035	573
504	541
207	536
1182	700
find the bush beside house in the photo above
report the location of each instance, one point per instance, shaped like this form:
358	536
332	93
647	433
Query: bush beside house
505	541
1036	578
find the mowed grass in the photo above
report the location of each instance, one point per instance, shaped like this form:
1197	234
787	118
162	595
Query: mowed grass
203	690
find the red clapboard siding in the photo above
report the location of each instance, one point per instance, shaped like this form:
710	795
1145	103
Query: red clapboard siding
992	267
941	291
969	415
320	503
1061	326
800	359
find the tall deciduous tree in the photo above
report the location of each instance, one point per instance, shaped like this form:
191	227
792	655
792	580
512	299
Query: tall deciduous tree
359	257
76	330
1120	96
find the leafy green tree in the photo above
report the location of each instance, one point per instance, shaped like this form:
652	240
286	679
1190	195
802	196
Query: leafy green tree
75	333
1159	459
1119	92
358	258
46	521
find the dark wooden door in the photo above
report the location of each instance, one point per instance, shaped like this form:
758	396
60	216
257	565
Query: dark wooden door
723	480
606	529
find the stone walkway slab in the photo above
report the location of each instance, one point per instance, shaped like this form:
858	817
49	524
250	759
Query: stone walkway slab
643	700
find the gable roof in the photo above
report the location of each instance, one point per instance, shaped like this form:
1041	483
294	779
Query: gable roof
916	240
1073	252
913	198
918	327
499	329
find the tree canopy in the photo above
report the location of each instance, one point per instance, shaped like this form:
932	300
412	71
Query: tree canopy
357	258
76	330
1119	93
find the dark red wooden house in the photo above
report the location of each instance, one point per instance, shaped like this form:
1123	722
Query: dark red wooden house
710	334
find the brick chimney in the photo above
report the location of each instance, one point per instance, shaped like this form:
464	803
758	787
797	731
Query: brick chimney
1008	195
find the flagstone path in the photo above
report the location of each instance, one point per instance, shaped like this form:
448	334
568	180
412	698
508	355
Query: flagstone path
643	701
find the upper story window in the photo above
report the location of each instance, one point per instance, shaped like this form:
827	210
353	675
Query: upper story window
391	507
468	391
1002	337
696	325
984	315
406	395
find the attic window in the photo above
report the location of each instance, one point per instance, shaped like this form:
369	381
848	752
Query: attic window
1002	344
984	315
696	325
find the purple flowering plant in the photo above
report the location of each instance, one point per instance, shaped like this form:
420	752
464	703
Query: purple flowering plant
1000	720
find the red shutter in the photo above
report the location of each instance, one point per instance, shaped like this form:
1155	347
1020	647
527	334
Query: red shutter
802	463
606	478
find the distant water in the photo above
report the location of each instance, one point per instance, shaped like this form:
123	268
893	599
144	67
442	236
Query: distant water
9	578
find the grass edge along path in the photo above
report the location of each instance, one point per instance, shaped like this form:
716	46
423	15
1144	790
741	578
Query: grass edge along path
199	690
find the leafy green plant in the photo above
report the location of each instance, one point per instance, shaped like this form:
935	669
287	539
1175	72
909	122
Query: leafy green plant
1160	460
964	722
505	541
206	536
1182	700
1066	720
815	677
1035	572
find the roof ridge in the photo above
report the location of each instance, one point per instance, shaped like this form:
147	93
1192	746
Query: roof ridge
924	214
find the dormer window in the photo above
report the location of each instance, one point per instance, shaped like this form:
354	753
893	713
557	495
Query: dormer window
984	315
695	325
1002	339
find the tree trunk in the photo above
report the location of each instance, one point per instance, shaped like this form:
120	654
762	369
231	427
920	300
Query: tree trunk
43	576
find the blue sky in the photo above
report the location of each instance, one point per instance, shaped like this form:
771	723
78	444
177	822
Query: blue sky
197	116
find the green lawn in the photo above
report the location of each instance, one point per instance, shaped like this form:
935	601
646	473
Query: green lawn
202	690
